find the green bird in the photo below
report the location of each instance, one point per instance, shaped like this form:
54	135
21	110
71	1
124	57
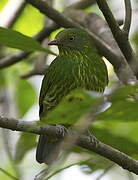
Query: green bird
78	65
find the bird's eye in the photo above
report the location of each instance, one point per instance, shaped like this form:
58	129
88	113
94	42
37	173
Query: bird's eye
72	38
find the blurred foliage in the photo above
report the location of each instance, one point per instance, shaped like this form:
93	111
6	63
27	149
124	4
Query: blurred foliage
3	3
124	101
87	165
135	41
25	96
71	108
117	141
23	91
8	169
2	79
79	102
17	40
24	144
116	126
96	162
30	22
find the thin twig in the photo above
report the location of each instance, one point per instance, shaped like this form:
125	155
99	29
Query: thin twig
8	61
8	174
90	143
128	16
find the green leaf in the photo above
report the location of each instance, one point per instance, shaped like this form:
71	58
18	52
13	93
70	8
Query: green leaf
124	144
135	41
58	170
3	3
17	40
88	165
96	162
25	143
2	79
124	105
71	108
26	23
25	96
108	136
91	161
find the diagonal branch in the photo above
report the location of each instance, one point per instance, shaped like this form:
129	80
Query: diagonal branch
82	4
90	143
66	22
8	61
128	17
52	13
119	35
122	69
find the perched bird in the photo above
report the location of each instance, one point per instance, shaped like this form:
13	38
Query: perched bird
78	65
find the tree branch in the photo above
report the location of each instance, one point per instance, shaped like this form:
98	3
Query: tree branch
53	14
8	61
128	16
40	65
122	69
90	143
120	37
66	22
82	4
104	42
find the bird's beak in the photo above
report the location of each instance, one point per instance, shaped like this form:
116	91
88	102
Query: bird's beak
54	42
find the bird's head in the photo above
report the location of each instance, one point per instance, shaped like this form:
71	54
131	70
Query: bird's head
72	38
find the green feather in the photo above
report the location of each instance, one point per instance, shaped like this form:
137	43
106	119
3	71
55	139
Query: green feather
77	66
70	70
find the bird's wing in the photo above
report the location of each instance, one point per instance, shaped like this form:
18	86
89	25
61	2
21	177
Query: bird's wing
55	85
99	73
46	83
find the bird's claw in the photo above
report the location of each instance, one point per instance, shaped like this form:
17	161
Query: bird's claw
60	129
92	138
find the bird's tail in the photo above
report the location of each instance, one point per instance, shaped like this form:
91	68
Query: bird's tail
47	150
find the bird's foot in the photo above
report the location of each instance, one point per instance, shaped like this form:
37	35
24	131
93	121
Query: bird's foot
60	129
93	139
